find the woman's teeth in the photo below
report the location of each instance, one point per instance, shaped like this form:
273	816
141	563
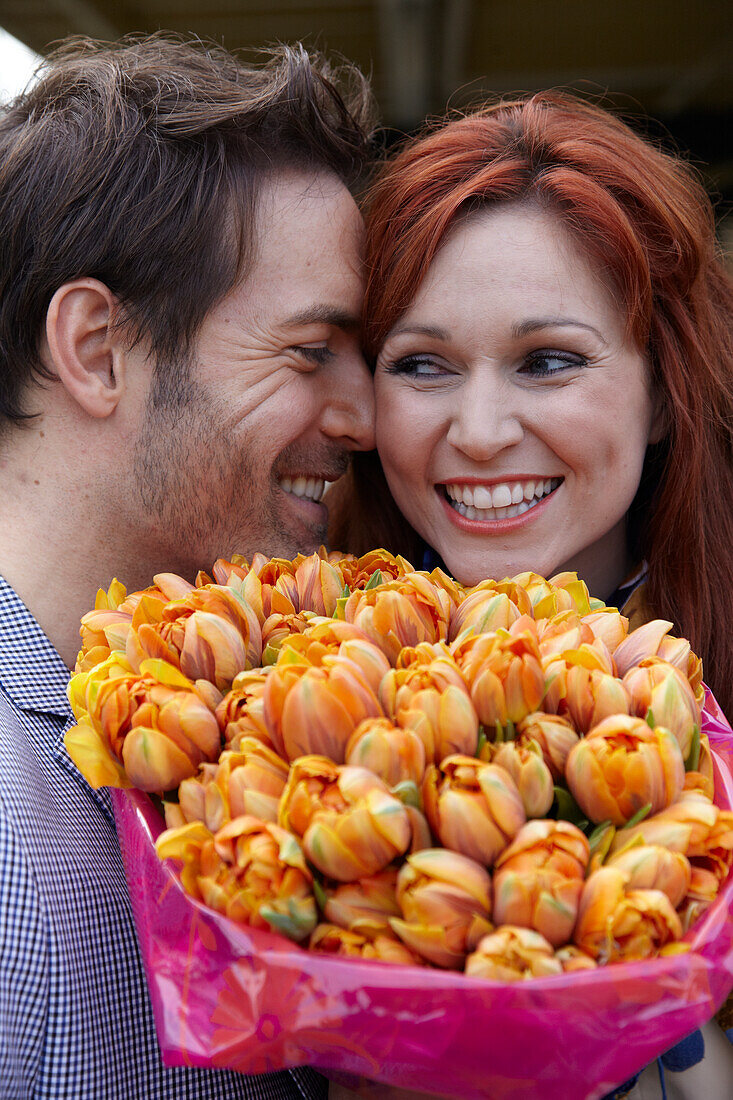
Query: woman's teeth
311	487
503	501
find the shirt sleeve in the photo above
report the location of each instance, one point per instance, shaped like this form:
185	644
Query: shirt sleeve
23	969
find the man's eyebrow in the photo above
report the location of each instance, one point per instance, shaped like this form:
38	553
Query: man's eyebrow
525	328
325	315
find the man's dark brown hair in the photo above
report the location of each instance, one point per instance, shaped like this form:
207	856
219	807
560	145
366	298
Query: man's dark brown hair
139	164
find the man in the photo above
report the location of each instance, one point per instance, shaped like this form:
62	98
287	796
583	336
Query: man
180	373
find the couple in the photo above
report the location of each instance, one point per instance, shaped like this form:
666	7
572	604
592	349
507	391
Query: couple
183	368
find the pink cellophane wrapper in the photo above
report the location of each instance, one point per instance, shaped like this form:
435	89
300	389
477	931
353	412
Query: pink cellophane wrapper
225	995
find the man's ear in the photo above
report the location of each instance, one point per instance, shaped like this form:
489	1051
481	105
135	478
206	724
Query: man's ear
83	346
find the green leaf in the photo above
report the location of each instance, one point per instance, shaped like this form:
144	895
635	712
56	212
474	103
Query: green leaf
345	592
693	760
568	809
638	816
595	837
339	612
499	731
407	793
375	580
320	894
650	719
482	739
510	732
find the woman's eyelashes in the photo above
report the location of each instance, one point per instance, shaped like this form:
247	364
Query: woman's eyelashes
546	364
416	366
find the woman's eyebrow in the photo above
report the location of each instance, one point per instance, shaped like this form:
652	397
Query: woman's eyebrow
532	324
421	330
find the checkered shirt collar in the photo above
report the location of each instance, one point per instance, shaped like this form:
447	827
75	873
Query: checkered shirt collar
32	673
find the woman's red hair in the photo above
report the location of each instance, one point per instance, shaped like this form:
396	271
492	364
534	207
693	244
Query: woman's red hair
645	221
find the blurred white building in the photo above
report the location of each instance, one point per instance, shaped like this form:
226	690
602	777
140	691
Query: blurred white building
17	63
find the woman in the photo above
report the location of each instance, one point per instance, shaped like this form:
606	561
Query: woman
550	326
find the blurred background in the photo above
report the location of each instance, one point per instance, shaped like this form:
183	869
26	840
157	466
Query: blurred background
665	62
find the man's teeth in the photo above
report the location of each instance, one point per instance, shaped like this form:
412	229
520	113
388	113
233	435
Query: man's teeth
311	487
502	501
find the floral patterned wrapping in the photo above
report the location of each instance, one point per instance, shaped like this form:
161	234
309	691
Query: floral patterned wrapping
225	995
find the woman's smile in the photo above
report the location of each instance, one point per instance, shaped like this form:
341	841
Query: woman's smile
482	502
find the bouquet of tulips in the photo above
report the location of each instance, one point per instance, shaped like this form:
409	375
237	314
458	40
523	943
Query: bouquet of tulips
379	764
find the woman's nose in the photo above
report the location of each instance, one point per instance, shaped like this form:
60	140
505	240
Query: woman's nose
348	409
484	421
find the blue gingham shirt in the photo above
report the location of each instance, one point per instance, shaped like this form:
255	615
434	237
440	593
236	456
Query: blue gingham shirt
75	1016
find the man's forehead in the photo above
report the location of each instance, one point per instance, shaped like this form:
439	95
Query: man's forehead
321	313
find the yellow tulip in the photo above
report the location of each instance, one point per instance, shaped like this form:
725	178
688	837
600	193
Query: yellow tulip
658	686
701	893
472	807
445	900
250	870
330	939
621	766
616	922
563	592
248	781
608	626
364	906
482	611
350	825
396	755
554	735
513	954
155	725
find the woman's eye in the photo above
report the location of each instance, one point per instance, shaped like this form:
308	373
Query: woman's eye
416	366
315	353
544	364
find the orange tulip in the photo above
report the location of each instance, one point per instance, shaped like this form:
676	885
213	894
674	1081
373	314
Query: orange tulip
311	709
608	626
701	893
350	825
241	711
504	675
512	954
364	906
554	735
473	807
621	766
526	765
358	572
702	779
400	613
320	584
571	959
653	640
652	867
658	686
396	755
581	690
432	699
483	611
617	922
153	725
539	877
445	900
252	871
691	825
330	939
248	781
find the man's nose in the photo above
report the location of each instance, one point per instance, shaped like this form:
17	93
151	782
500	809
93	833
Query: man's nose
348	410
484	420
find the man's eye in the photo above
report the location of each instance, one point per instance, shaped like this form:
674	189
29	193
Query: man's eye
545	364
416	366
318	353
